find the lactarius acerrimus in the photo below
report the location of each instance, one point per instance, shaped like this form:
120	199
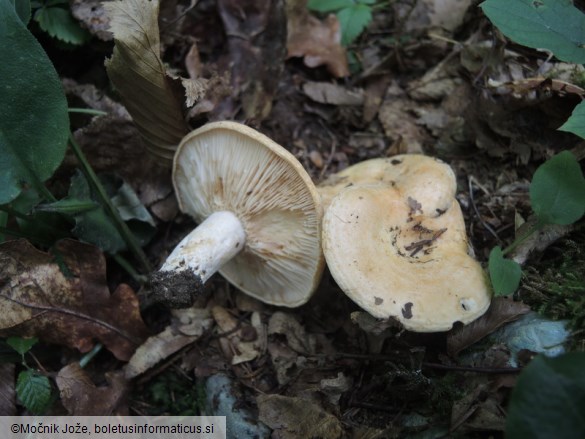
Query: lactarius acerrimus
395	242
259	218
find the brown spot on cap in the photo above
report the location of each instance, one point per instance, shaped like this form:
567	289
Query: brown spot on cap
396	162
378	300
407	310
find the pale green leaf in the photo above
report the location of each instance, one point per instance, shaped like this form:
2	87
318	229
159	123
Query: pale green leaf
329	5
504	273
21	345
554	25
557	191
353	21
576	123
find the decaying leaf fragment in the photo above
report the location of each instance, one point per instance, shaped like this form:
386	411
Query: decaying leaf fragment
152	97
81	397
63	298
318	42
297	417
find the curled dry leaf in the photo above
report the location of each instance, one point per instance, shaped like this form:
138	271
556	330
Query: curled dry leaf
501	311
81	397
190	324
327	93
297	417
63	298
152	97
318	42
242	345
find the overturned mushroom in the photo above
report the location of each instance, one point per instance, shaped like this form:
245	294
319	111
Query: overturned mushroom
259	215
398	247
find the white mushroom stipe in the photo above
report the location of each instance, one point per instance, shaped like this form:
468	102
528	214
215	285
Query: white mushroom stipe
271	246
203	251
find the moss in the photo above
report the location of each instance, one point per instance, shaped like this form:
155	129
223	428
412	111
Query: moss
555	286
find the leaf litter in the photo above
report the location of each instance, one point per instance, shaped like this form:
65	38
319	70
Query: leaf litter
487	109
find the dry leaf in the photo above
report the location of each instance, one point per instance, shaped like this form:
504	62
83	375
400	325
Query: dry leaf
7	390
296	417
296	336
328	93
256	34
190	324
318	42
81	397
235	344
91	13
501	311
152	97
72	307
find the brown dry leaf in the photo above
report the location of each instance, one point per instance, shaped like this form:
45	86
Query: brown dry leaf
318	42
334	94
152	97
256	33
296	336
501	311
444	14
236	344
188	325
296	417
81	397
480	410
72	307
7	390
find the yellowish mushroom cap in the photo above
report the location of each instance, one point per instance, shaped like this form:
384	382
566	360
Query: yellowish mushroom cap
400	253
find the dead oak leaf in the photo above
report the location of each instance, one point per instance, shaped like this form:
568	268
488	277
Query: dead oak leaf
81	397
63	298
501	311
318	42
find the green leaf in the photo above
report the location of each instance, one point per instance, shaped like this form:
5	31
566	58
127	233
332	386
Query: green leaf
34	124
67	206
94	226
34	391
353	21
21	345
549	399
576	123
59	23
329	5
555	25
504	273
557	191
22	8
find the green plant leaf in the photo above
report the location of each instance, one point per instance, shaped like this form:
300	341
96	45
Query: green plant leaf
576	123
329	5
34	391
22	8
59	23
557	191
34	123
505	274
549	399
353	21
555	25
94	226
21	345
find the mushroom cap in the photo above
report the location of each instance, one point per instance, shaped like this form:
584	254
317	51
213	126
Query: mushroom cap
227	166
395	262
425	179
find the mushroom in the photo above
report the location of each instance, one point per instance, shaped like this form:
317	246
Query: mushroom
397	246
259	214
